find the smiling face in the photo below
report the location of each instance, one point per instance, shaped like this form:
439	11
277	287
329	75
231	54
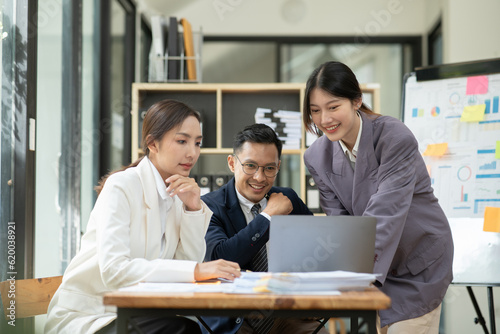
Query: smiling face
254	187
178	150
336	117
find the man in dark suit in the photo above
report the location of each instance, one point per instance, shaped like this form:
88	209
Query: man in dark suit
242	210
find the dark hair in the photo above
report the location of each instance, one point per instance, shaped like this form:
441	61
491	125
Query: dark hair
160	118
257	133
337	79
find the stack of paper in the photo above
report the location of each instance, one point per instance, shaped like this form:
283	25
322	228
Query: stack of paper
313	283
326	282
287	125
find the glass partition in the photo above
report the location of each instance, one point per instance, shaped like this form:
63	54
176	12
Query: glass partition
372	63
48	144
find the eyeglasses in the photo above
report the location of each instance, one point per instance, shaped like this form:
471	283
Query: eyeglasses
251	168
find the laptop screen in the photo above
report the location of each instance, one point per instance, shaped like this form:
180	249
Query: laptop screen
300	243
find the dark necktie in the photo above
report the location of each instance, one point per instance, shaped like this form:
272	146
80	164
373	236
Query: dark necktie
259	263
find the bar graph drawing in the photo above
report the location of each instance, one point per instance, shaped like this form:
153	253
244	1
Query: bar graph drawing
489	166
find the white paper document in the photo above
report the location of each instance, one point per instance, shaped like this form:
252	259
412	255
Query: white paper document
175	287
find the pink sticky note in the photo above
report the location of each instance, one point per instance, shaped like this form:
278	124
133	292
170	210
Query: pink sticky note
477	85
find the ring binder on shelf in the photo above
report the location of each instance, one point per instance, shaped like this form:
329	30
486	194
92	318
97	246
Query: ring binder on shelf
312	195
172	50
205	183
142	114
219	180
157	51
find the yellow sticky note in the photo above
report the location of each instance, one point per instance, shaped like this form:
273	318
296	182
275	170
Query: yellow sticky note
436	150
497	151
491	219
473	113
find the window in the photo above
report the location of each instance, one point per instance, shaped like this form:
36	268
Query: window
17	141
117	73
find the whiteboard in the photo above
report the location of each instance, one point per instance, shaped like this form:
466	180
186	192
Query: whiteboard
466	178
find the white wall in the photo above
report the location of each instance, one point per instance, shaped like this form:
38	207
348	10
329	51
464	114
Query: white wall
432	13
298	17
471	30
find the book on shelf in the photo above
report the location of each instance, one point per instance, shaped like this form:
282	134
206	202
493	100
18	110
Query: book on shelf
312	195
173	63
189	49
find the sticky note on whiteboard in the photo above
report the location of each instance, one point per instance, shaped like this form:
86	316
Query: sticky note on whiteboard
491	219
436	150
477	85
473	113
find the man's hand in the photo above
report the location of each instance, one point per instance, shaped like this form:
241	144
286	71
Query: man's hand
278	204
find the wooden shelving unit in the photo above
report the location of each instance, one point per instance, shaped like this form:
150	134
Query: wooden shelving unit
225	110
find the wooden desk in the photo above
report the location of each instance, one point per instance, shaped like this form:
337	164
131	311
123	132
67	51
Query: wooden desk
351	304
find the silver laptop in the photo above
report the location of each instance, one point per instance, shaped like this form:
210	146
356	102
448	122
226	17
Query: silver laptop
321	243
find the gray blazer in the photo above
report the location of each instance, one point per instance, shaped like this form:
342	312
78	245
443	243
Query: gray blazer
414	247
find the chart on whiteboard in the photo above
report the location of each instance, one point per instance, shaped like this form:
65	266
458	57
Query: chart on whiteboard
462	113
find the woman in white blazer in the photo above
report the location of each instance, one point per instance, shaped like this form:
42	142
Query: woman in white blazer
148	225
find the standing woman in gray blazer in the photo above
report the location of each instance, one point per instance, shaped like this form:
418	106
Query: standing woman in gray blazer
366	164
148	225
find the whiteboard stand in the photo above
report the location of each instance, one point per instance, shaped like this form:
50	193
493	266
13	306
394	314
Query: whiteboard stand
491	307
476	262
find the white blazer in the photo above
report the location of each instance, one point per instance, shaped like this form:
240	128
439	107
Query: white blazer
122	247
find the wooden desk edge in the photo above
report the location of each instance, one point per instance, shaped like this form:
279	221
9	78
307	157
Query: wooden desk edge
369	299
